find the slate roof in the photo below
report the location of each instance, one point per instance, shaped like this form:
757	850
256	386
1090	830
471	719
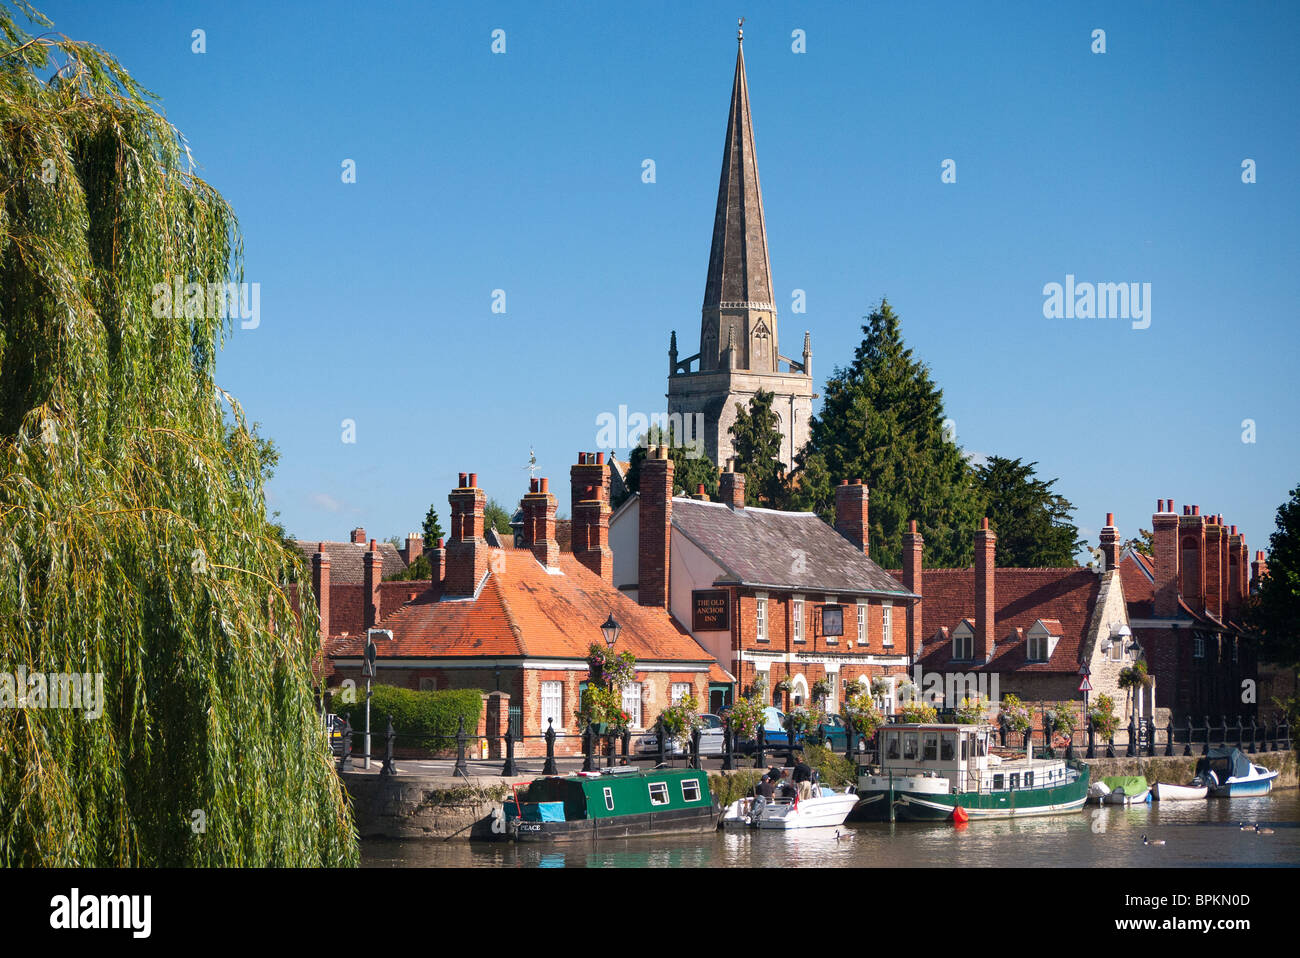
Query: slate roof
764	548
1021	598
523	610
346	562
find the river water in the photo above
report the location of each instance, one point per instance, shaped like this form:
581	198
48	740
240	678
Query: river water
1197	834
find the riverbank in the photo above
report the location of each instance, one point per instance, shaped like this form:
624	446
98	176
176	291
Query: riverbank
1180	769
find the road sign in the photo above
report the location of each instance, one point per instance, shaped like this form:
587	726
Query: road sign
1085	685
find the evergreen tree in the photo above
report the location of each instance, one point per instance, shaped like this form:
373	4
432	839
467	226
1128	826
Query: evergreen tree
756	441
496	517
882	421
1144	543
688	471
1275	611
1032	522
432	529
134	540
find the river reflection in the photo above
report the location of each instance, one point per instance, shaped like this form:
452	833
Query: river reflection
1196	834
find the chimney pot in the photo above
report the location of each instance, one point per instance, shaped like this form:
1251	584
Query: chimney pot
984	524
1110	518
600	458
463	478
1234	530
473	480
544	484
911	527
844	482
699	490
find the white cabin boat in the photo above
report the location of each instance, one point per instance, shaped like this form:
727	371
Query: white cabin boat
826	808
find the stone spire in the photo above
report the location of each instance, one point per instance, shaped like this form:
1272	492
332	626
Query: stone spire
740	275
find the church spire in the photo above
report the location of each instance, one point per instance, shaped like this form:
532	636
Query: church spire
740	274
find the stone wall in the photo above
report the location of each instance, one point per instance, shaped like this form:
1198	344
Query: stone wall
1179	770
417	807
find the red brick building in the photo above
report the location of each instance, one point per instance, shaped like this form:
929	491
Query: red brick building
1026	632
515	623
1187	605
767	592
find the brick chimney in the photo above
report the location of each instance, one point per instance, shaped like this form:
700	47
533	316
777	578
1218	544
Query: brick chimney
438	564
1191	558
589	491
1164	545
414	547
851	513
358	536
467	551
731	486
1258	569
372	574
1110	545
913	546
539	523
320	584
1236	572
656	514
1216	553
986	542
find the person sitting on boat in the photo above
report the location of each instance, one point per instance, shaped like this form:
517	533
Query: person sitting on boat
803	774
766	788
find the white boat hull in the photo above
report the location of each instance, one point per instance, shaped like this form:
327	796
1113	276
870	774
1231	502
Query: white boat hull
1258	782
1179	793
827	811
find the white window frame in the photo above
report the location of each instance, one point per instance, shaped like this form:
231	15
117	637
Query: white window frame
695	784
887	623
632	703
796	619
609	799
1198	647
662	788
833	600
1037	651
967	645
760	617
862	621
558	697
678	691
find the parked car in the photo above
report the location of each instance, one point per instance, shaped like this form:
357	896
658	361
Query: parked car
835	734
710	739
774	732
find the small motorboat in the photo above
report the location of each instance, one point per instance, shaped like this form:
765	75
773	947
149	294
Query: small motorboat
1227	773
1121	790
1165	792
826	808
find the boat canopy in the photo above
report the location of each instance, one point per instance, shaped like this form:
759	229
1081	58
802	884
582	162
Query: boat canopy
1132	784
1238	765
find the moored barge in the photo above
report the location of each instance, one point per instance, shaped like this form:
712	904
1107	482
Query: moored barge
615	803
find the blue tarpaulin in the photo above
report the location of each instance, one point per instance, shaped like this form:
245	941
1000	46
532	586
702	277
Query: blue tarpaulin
550	811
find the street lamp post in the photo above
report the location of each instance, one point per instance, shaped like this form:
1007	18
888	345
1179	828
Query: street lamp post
368	670
610	629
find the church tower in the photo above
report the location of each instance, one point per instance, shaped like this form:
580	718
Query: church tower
739	354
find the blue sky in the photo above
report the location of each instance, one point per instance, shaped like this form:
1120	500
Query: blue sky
521	171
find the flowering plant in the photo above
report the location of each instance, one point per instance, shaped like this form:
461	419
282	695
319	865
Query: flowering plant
1062	718
746	716
971	711
821	690
906	691
1102	716
601	704
616	669
681	719
1014	713
861	710
918	712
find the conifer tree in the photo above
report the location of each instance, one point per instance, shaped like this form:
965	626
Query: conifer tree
1033	523
134	539
756	441
690	470
882	421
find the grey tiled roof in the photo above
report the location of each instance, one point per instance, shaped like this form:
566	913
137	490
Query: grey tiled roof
347	563
780	550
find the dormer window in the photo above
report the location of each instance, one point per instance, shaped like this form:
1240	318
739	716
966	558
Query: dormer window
1041	639
963	643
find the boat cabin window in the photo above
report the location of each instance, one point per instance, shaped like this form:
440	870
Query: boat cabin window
965	747
891	745
984	746
1029	779
948	747
1015	779
910	746
609	799
998	781
691	790
931	740
658	793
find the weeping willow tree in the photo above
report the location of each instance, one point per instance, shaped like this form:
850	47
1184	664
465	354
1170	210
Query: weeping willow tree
134	541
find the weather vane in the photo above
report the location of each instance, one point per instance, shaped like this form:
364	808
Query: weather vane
532	463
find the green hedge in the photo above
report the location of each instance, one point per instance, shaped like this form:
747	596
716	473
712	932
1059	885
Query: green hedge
740	784
425	720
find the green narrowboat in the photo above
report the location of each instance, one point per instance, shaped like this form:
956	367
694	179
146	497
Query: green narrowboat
927	772
614	803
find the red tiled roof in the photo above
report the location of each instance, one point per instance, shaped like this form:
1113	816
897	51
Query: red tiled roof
1021	598
523	610
1137	575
